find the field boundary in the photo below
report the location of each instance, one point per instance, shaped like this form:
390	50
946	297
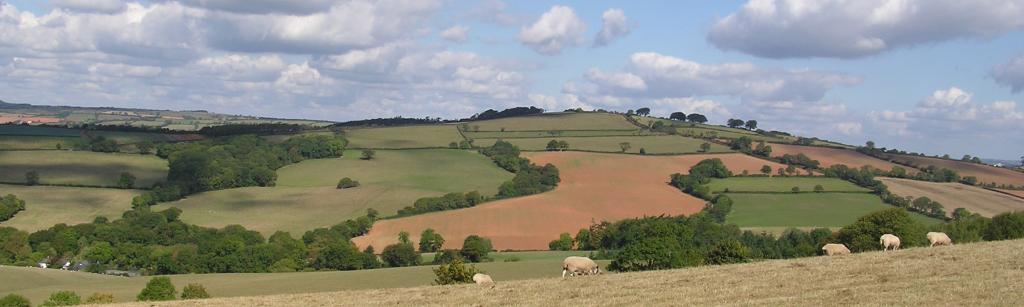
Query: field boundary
801	192
1002	192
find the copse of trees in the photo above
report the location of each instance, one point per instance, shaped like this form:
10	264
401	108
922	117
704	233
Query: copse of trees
677	116
449	201
554	145
700	174
511	112
9	206
696	118
103	144
799	159
315	146
257	129
643	111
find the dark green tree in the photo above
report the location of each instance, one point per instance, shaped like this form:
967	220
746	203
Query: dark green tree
32	178
475	248
563	243
193	292
126	181
430	241
158	289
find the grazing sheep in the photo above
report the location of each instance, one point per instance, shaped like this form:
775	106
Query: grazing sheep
889	241
579	265
939	238
482	279
833	249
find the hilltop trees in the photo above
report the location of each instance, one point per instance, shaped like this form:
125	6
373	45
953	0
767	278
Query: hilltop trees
643	111
677	116
750	125
696	118
735	123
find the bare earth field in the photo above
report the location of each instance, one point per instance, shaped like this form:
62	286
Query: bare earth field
46	206
1018	193
955	195
832	156
979	274
984	173
594	187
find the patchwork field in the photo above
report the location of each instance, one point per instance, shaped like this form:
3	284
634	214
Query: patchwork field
81	167
804	209
655	144
14	142
782	184
910	277
555	121
429	136
984	173
955	195
832	156
594	187
46	206
37	284
306	196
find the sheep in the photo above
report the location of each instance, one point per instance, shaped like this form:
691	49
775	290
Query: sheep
482	279
833	249
939	238
889	241
579	265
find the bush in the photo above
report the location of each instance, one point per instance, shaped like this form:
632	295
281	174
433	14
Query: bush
399	255
863	234
455	272
563	243
100	298
430	241
368	154
127	181
795	189
475	248
727	252
446	256
346	183
63	298
1006	226
14	300
9	206
32	178
655	253
193	292
158	289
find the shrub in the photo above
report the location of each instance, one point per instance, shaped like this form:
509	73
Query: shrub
563	243
194	291
513	259
32	178
475	248
100	298
863	234
346	183
727	252
795	189
455	272
446	256
14	300
9	206
655	253
158	289
818	188
368	154
63	298
453	145
127	181
1006	226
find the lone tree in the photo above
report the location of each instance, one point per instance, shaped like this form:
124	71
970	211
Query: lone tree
346	183
158	289
625	146
368	154
696	118
751	124
127	181
705	147
643	111
677	116
430	241
767	170
32	178
475	248
819	189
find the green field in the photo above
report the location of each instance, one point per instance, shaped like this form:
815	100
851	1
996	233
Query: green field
305	196
81	167
46	206
782	184
431	136
555	121
16	142
37	131
37	284
805	209
655	144
553	133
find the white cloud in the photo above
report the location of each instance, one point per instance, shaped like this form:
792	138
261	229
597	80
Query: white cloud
291	7
455	34
1011	74
494	11
613	25
690	105
625	81
849	128
951	113
94	6
556	29
850	29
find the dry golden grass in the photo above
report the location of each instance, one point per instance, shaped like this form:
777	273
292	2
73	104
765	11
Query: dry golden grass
987	274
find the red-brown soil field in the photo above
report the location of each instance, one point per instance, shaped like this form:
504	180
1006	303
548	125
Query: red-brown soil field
955	195
984	173
1017	193
594	187
832	156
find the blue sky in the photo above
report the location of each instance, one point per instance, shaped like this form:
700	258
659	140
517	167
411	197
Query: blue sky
896	72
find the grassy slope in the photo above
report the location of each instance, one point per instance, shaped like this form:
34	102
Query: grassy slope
46	205
655	144
428	136
804	209
306	197
17	142
81	167
782	184
37	284
556	121
980	274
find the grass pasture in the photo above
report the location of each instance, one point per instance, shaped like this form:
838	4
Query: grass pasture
81	167
782	184
908	277
37	284
305	196
426	136
46	206
652	144
805	209
553	134
19	142
555	121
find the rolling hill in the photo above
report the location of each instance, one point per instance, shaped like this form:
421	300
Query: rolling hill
954	195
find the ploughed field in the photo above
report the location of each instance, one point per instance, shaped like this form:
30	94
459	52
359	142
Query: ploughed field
81	167
984	173
1017	193
306	196
46	206
955	195
832	156
594	187
976	274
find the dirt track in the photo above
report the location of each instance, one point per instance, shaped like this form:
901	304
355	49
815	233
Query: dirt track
955	195
594	187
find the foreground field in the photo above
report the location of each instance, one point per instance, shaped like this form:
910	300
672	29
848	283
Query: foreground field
651	144
37	284
955	195
781	184
46	206
984	173
919	277
427	136
594	187
306	196
802	210
81	167
832	156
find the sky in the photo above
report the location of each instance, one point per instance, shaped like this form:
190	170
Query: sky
932	76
